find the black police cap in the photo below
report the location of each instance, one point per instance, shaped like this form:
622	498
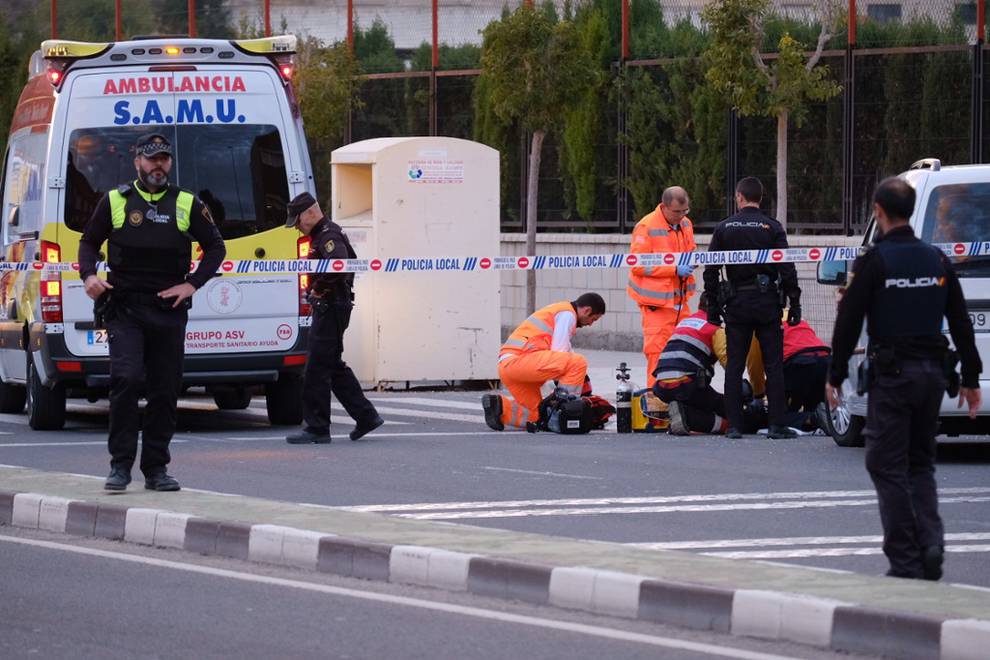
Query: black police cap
152	144
299	203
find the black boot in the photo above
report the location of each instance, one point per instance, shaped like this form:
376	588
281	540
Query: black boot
364	429
781	432
492	403
931	559
118	479
733	433
161	481
307	437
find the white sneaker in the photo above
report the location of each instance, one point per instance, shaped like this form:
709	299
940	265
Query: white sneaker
678	418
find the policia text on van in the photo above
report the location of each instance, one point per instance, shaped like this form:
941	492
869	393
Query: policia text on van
228	110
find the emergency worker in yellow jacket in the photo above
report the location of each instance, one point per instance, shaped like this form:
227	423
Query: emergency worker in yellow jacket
537	351
662	292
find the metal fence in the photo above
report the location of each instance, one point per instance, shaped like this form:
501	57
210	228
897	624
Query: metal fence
911	75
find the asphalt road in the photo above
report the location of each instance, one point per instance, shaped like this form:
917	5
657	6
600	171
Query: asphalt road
802	501
118	601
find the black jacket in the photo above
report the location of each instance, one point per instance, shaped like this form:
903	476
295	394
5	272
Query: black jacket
868	282
330	242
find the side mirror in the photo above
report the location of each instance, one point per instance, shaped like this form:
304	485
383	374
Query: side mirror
833	273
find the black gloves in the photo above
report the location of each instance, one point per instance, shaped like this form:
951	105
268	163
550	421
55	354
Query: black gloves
715	315
793	314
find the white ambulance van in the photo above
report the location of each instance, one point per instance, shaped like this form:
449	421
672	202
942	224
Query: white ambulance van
230	112
952	207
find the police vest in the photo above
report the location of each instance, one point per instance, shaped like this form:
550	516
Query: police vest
149	230
689	350
912	294
536	332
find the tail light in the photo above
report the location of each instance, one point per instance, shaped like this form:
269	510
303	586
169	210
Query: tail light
51	284
56	71
302	251
286	66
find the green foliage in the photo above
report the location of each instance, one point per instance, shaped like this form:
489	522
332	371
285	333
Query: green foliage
212	17
375	48
465	56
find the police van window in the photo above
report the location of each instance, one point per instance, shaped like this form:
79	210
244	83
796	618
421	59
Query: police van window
238	171
99	160
960	213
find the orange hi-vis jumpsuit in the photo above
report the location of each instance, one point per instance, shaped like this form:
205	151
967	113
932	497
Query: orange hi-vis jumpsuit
527	360
658	290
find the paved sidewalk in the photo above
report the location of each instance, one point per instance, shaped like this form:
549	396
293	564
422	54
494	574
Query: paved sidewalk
842	611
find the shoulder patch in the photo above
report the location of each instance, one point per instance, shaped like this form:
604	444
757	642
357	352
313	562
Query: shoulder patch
124	189
206	214
328	246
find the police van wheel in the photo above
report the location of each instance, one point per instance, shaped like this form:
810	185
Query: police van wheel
235	399
45	405
283	398
12	398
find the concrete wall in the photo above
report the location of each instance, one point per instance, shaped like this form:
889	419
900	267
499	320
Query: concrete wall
620	328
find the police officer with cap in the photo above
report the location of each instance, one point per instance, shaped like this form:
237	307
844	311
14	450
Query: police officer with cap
331	296
905	287
751	302
149	227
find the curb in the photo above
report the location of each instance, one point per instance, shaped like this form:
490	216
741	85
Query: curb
774	615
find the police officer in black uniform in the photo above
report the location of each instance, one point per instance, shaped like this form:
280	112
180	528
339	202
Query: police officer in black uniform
904	288
331	296
149	227
751	301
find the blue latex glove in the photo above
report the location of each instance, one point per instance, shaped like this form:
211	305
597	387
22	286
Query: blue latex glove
684	271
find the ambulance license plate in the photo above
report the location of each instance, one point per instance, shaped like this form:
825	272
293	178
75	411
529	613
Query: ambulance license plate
96	337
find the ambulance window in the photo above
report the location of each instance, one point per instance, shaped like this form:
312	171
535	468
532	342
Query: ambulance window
238	171
99	159
960	213
23	186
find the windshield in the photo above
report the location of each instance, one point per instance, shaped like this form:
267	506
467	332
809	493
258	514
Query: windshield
238	171
960	213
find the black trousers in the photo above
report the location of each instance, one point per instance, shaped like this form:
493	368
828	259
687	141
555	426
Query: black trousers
147	344
804	388
327	372
701	404
747	313
901	420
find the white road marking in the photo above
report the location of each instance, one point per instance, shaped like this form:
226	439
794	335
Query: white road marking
449	608
692	508
428	414
81	443
660	499
829	552
543	474
376	434
793	540
429	403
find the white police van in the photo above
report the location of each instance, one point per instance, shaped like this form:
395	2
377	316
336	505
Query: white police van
953	206
229	110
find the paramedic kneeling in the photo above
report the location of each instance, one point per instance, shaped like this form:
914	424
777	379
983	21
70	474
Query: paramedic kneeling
537	351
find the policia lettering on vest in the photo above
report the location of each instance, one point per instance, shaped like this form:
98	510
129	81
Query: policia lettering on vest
904	288
149	227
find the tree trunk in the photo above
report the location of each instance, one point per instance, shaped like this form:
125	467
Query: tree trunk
782	168
532	194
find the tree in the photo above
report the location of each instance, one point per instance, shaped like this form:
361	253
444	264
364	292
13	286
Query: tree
754	84
535	70
327	82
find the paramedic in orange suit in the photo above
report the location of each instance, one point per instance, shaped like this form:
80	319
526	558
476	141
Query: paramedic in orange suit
537	351
662	292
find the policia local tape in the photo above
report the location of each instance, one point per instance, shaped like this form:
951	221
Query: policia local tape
535	262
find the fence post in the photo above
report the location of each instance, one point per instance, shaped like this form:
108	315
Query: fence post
117	20
849	124
350	25
268	18
976	134
192	18
53	15
433	70
622	159
731	162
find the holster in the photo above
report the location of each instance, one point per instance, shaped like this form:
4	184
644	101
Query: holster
864	374
949	361
726	292
103	310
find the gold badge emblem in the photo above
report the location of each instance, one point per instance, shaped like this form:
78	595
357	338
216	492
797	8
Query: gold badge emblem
328	247
135	218
207	215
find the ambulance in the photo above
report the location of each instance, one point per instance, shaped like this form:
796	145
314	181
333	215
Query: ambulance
229	110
